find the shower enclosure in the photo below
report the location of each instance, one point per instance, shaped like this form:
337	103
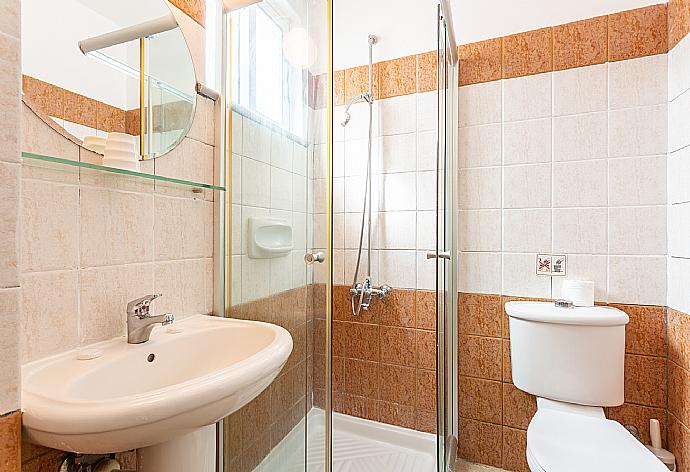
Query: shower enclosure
370	383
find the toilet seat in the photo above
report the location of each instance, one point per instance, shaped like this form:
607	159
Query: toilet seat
568	438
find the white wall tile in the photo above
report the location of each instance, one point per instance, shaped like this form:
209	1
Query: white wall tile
527	186
520	277
115	227
585	267
398	268
527	231
426	230
256	140
236	179
358	126
426	190
480	230
637	131
678	293
679	230
580	231
236	229
426	272
637	230
637	280
637	181
479	272
679	68
256	183
479	146
281	189
480	104
678	172
10	374
300	200
426	150
281	150
280	274
255	278
49	314
678	123
527	97
580	183
237	125
480	188
300	159
398	192
104	293
638	82
580	137
398	115
427	115
398	229
350	264
580	90
397	153
187	285
527	142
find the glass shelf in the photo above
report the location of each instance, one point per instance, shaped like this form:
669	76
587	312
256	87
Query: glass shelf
115	170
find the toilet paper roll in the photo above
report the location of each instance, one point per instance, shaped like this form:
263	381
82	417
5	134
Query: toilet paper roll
580	292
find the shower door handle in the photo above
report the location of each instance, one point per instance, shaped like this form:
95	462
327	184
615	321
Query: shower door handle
310	257
440	255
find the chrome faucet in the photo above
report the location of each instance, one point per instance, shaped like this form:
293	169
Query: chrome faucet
139	319
362	294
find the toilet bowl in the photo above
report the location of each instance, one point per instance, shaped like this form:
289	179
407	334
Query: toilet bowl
571	438
572	360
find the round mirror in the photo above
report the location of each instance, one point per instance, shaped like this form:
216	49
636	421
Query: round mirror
114	76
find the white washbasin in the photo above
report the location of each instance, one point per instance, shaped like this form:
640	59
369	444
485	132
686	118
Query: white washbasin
138	395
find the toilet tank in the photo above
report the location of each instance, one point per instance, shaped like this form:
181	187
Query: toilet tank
574	355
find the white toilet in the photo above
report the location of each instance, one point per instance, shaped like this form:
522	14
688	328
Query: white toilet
572	359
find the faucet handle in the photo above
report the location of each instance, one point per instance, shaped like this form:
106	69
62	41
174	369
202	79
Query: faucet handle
140	306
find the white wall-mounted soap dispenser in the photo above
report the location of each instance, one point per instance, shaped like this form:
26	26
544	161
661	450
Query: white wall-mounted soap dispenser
269	238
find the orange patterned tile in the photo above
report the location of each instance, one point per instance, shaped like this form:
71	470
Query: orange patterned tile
398	77
515	450
679	443
518	407
396	414
679	392
398	309
426	389
357	81
356	340
398	384
479	314
398	346
480	357
195	9
638	416
110	119
480	62
426	72
362	378
480	399
528	53
426	349
645	380
425	421
339	87
10	441
646	331
481	442
581	43
425	308
679	338
507	366
638	33
678	21
43	97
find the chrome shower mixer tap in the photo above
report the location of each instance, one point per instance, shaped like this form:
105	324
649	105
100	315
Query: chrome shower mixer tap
365	292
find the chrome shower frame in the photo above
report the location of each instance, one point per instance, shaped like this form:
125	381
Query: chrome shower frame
362	294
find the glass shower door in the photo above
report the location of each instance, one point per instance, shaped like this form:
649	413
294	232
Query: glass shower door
446	251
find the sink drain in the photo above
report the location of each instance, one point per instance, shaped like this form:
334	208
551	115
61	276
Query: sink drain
151	357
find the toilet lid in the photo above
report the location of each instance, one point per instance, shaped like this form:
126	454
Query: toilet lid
566	442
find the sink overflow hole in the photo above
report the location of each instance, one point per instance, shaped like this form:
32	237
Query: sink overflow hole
151	357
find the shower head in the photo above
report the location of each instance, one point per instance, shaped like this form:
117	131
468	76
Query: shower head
362	97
